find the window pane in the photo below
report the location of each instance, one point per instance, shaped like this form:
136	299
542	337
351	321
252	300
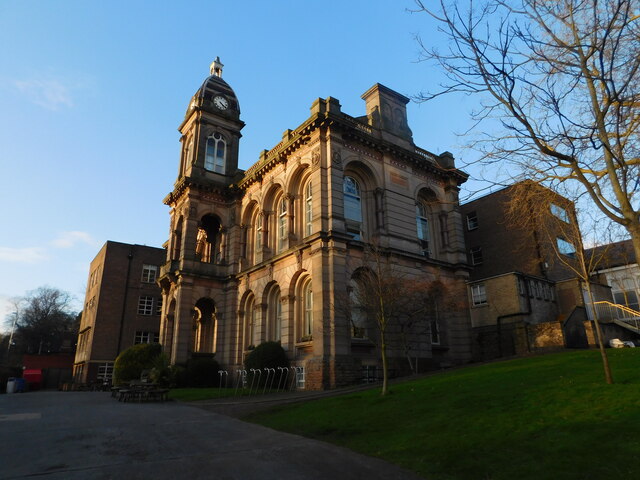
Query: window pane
352	209
149	273
476	256
478	294
307	327
423	228
566	248
472	221
351	186
560	213
145	305
210	154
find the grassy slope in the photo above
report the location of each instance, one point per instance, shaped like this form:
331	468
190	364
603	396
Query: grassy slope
542	417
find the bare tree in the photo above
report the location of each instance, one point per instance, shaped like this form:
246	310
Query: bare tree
398	307
563	79
531	209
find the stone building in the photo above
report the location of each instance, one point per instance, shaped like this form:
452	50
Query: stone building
264	254
122	307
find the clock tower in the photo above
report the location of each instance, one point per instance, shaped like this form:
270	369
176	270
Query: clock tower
198	303
211	132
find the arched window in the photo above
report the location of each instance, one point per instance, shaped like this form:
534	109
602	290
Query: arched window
307	312
308	209
282	224
215	155
275	315
258	231
352	207
422	223
251	327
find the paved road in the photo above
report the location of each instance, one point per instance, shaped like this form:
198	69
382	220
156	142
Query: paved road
88	435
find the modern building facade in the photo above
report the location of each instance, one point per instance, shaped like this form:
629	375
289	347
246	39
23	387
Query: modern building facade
122	307
618	267
265	254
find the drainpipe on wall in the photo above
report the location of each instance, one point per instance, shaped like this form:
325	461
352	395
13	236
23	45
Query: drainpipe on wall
516	314
124	301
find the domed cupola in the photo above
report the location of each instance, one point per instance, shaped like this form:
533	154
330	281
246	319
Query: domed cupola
211	132
215	95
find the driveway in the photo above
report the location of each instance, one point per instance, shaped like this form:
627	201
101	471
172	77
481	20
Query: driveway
89	435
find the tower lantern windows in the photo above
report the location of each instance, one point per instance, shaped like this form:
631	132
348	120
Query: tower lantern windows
215	156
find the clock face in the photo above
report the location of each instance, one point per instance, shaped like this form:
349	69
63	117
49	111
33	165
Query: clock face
221	102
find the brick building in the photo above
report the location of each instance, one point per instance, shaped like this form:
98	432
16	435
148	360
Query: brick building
524	291
122	307
264	254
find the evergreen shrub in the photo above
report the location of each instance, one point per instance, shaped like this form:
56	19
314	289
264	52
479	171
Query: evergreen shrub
134	360
266	355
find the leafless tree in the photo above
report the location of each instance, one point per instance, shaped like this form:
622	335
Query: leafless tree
398	307
563	80
530	209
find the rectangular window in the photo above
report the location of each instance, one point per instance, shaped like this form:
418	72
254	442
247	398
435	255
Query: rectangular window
560	213
105	372
149	273
476	256
146	337
159	306
566	248
478	294
472	221
145	305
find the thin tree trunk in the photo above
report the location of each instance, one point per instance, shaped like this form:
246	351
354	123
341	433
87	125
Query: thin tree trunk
605	359
383	354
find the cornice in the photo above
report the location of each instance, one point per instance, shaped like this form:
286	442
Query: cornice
353	130
224	192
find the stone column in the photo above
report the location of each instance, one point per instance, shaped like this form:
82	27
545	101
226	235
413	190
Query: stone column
378	195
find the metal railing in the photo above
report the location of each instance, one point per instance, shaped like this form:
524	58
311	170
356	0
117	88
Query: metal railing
620	314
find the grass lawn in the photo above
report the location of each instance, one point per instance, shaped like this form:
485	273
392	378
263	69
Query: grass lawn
547	417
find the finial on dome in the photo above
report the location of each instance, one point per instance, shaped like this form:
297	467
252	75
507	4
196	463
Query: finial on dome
216	67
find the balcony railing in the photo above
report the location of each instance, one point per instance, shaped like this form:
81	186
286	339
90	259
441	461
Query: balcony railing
195	267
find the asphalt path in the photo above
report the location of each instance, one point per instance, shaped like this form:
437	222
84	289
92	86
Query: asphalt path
89	435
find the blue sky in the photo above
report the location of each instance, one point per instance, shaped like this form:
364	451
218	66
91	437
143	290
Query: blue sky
92	93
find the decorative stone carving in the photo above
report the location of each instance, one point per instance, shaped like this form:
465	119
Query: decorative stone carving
315	158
